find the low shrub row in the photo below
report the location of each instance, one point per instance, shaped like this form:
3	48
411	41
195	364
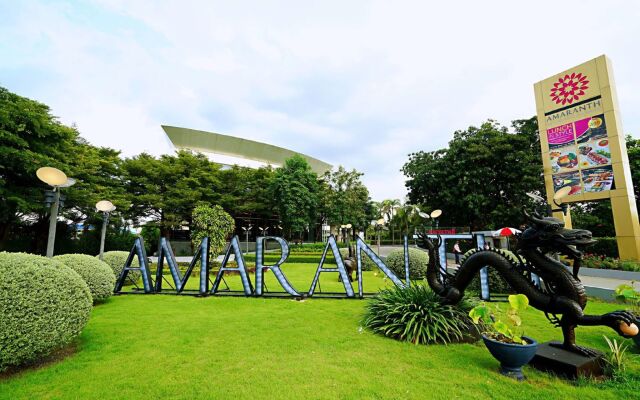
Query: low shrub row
603	262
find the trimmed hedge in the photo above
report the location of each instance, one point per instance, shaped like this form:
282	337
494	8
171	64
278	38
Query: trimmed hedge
45	305
418	260
293	258
97	274
116	260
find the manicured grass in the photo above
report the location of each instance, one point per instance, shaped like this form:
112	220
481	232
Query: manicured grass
165	346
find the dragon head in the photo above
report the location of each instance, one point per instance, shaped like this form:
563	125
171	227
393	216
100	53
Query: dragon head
550	235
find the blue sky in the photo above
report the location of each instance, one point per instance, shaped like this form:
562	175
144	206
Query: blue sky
356	83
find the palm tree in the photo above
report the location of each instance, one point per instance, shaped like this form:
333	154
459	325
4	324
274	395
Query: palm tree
409	215
387	208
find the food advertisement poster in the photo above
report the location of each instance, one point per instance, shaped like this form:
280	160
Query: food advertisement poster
579	155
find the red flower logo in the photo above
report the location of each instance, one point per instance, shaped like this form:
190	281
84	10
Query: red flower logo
569	88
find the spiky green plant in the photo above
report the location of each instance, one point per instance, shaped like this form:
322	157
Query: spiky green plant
416	314
616	359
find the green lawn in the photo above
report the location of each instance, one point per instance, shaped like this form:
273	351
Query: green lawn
165	346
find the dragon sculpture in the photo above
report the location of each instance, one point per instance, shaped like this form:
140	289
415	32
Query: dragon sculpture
560	292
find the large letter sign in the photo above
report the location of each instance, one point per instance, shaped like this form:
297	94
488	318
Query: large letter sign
344	278
143	267
165	253
260	267
180	281
241	268
362	246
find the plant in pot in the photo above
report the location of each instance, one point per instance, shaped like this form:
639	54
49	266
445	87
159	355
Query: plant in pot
504	336
629	295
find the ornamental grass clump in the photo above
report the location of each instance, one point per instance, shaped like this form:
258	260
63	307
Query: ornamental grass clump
97	274
44	306
415	314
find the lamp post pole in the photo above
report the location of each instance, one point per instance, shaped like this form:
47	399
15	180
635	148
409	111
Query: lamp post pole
105	219
104	206
53	220
56	179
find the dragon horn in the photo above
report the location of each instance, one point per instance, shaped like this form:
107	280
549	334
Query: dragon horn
535	218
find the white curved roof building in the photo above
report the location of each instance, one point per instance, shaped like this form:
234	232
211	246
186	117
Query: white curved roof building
216	143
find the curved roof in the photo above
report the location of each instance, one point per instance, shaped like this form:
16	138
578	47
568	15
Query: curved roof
210	142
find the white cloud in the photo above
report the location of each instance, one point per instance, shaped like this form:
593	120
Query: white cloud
355	83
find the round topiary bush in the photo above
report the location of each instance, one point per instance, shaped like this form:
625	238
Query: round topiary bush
418	260
116	260
44	306
97	274
415	314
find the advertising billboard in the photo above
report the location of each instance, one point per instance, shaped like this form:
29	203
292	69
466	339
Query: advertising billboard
583	145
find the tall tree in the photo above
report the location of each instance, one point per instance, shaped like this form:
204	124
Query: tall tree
295	191
482	178
387	209
347	198
165	190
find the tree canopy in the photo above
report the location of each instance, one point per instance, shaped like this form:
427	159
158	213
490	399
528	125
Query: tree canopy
482	178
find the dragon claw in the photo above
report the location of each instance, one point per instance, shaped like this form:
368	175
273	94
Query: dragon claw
614	319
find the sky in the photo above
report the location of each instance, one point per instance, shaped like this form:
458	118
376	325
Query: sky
354	83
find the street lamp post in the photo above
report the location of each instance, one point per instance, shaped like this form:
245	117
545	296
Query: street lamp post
377	225
57	179
106	207
434	216
263	231
246	235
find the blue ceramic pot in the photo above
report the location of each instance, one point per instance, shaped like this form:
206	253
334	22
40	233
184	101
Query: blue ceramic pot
512	357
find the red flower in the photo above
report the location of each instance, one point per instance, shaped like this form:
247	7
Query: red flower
569	88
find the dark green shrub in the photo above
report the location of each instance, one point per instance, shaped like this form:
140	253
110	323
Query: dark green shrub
605	246
310	247
97	274
497	284
44	304
116	260
416	315
418	260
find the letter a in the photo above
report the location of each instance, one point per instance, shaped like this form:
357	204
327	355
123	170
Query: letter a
241	269
331	242
136	250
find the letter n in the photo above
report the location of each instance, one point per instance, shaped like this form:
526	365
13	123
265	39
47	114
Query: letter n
331	242
241	268
277	271
362	246
143	267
